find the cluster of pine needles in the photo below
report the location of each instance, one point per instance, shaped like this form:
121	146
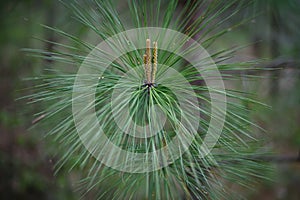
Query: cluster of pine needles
191	176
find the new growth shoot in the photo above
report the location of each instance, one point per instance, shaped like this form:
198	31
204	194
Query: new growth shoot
150	68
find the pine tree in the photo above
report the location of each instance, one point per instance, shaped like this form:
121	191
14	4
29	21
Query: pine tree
151	90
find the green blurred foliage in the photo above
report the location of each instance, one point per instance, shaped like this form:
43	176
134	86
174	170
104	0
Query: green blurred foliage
26	172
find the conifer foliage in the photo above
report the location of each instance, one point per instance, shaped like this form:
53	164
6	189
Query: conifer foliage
157	98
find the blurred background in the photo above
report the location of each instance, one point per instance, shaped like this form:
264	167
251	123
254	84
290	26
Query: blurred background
27	160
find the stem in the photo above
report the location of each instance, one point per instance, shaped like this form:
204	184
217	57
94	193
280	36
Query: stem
280	159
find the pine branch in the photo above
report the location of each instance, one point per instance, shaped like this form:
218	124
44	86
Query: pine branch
278	159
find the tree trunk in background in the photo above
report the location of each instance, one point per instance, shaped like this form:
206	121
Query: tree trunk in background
274	46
